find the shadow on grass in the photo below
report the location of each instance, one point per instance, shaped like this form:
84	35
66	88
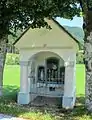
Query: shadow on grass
10	92
58	113
8	102
9	106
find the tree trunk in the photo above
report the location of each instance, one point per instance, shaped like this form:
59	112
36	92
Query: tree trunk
2	60
88	60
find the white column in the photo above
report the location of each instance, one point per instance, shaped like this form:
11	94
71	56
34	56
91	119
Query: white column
24	96
70	86
24	76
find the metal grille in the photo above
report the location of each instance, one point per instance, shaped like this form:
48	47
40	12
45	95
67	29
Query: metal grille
49	80
52	86
51	76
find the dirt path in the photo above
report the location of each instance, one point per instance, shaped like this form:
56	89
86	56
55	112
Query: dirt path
7	117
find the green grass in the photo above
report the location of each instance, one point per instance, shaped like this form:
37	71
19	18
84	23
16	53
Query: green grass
80	79
12	76
9	106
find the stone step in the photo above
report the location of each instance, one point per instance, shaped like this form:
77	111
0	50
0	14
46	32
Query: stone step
49	101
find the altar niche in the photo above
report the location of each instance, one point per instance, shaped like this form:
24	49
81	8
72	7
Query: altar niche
51	73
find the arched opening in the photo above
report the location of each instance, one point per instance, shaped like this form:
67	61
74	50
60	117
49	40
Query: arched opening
47	74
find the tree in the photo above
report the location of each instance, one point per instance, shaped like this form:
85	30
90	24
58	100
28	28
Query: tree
87	15
19	14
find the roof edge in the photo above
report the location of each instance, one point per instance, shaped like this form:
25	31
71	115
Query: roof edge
66	31
55	23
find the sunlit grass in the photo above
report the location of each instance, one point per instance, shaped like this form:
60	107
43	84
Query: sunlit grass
12	77
9	106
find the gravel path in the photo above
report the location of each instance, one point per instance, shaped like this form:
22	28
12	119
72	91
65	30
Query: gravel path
7	117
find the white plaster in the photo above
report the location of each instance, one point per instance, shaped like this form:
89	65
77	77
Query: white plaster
23	98
65	54
24	78
70	78
34	38
70	83
23	63
35	48
38	58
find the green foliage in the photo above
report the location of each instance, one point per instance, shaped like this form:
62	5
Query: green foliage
77	32
10	92
80	57
10	107
12	59
19	14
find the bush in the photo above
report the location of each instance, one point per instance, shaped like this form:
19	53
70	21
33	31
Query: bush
12	59
79	58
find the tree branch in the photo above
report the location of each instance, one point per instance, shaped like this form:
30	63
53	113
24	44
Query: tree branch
81	4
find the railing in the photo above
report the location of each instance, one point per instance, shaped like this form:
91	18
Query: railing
52	81
51	89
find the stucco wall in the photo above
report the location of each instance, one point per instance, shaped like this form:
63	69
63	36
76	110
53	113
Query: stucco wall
65	54
56	37
40	58
68	55
38	44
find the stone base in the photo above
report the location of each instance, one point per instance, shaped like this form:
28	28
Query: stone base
23	98
68	102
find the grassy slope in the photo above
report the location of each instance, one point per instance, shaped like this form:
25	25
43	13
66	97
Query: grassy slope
11	77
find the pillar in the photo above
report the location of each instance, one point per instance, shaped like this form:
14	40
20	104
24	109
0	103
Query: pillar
23	95
70	85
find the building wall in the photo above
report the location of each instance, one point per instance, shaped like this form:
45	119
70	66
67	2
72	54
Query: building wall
41	57
38	44
37	57
69	58
65	54
56	37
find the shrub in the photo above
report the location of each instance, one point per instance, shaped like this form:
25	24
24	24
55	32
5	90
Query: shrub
12	59
79	58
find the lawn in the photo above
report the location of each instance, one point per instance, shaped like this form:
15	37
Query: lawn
12	76
8	103
80	79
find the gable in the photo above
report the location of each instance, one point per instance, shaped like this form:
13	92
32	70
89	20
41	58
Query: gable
55	37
